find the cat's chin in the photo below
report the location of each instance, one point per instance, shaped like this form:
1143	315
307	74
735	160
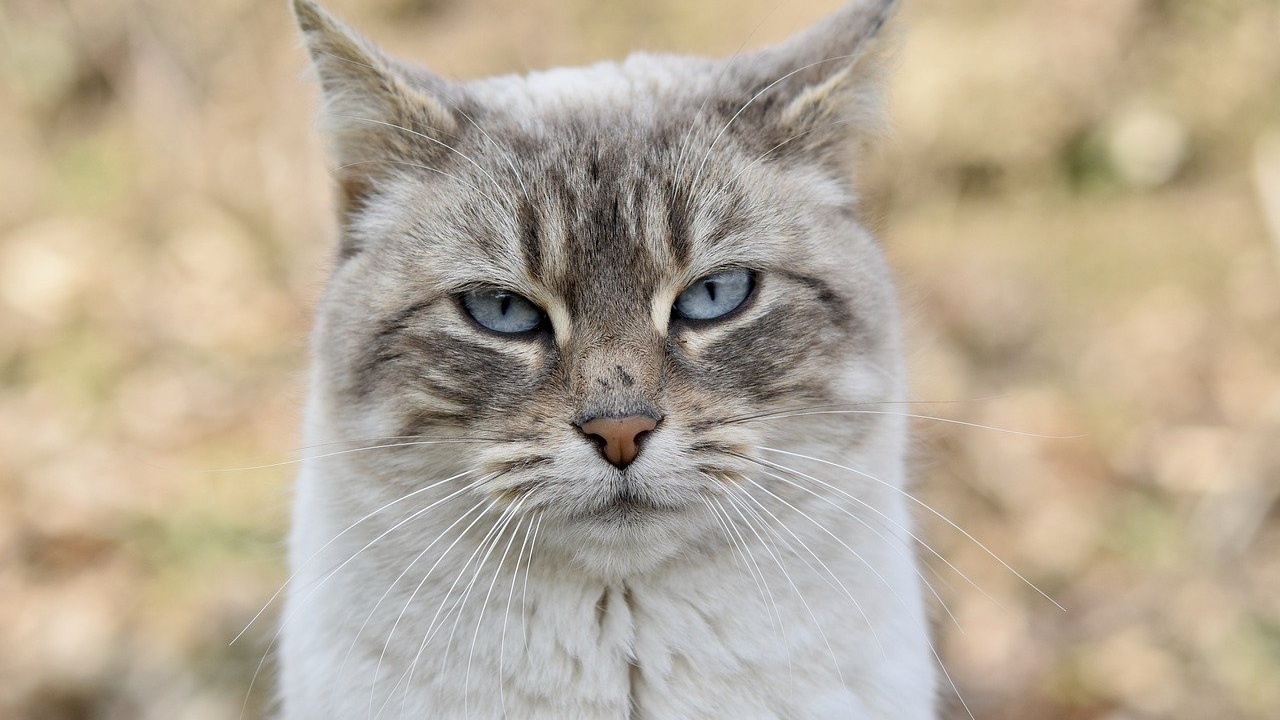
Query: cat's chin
628	536
628	508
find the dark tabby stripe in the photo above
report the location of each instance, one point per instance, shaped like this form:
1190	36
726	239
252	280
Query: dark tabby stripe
530	238
678	241
838	307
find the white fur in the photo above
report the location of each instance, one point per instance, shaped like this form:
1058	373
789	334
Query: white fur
698	627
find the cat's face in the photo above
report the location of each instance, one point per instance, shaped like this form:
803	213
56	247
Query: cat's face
603	276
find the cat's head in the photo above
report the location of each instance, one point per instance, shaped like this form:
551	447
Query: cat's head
604	276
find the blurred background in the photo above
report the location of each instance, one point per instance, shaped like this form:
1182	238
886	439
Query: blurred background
1081	199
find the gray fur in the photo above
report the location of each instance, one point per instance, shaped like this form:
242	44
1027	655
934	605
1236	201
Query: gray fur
599	194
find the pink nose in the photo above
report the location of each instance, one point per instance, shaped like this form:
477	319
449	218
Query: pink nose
619	438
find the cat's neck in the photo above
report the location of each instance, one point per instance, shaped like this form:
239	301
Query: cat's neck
510	619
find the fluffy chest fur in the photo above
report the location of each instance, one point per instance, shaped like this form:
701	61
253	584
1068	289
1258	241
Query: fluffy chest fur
489	628
604	377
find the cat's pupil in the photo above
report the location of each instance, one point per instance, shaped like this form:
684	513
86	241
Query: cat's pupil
714	296
501	311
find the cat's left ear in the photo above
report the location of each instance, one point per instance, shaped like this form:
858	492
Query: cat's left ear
822	90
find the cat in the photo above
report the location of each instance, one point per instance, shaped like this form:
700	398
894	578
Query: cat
599	387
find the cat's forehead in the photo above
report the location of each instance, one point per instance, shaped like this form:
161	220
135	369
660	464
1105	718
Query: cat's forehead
597	223
605	190
607	210
642	83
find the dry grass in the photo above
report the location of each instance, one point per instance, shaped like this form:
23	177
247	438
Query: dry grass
1082	198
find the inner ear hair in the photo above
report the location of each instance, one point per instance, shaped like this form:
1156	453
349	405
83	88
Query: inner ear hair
835	117
377	112
829	84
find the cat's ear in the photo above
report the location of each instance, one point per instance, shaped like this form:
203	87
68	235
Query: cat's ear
377	112
823	88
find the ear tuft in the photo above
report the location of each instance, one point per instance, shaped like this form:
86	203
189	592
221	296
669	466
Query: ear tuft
310	16
376	111
844	35
829	80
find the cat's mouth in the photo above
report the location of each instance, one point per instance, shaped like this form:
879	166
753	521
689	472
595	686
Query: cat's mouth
627	505
627	502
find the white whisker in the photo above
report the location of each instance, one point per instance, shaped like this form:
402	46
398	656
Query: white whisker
762	584
486	546
928	507
794	588
524	592
334	454
484	604
504	523
878	534
334	539
506	616
684	142
428	138
506	155
841	586
915	416
851	405
404	572
932	649
382	656
497	205
319	584
748	104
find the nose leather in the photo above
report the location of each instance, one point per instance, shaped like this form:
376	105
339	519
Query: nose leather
619	438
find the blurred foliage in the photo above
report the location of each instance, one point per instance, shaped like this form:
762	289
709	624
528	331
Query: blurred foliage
1082	199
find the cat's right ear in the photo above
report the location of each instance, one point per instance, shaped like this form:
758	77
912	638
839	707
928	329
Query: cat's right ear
377	112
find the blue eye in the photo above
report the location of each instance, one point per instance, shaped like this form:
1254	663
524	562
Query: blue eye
715	296
502	311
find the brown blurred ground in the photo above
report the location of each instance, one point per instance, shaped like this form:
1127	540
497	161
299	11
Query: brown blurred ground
1082	198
